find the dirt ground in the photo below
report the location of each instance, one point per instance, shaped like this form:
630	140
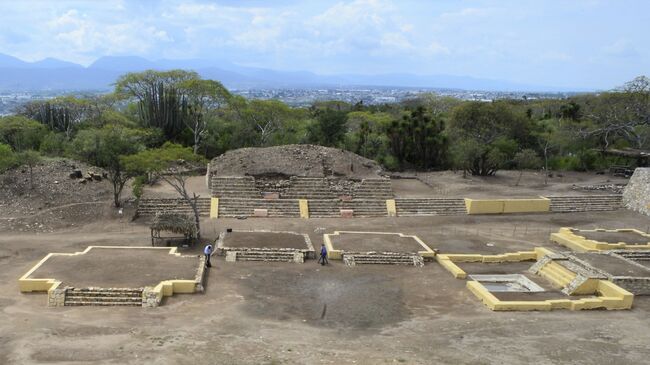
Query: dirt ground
279	313
443	184
613	265
630	238
265	240
366	242
118	268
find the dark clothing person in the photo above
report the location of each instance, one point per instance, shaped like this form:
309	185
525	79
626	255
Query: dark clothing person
323	256
207	251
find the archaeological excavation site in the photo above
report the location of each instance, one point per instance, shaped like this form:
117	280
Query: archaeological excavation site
329	244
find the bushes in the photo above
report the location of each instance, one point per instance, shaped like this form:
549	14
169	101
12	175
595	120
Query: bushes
7	157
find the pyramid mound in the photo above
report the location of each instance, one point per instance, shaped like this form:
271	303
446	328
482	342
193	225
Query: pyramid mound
295	160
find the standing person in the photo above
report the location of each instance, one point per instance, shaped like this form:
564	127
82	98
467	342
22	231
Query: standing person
207	251
323	255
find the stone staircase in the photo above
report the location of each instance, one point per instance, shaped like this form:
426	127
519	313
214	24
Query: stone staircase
277	208
429	206
103	297
331	208
634	255
585	203
308	188
234	187
374	189
384	258
265	254
150	206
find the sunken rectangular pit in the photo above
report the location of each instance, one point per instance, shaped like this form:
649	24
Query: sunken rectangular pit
265	246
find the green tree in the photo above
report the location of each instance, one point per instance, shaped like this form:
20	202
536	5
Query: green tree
525	160
29	158
61	114
21	133
171	163
328	128
104	148
159	100
202	99
493	128
7	157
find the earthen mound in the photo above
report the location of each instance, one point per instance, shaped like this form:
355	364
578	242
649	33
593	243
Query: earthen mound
295	160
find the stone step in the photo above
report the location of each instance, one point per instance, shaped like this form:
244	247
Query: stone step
103	304
87	298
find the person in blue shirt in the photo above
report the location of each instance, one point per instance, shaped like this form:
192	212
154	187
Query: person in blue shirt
207	251
323	255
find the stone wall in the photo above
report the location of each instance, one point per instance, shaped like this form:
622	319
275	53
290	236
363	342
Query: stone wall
636	285
636	195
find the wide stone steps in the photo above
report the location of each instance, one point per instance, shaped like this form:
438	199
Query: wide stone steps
374	189
332	208
585	203
103	297
245	207
429	207
151	206
234	187
308	188
261	255
382	259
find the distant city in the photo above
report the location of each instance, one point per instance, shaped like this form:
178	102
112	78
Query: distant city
299	97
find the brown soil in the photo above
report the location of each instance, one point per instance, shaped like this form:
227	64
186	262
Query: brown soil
365	242
118	268
630	238
265	313
264	240
613	265
295	160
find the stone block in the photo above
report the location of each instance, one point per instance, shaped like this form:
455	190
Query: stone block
347	213
271	195
260	213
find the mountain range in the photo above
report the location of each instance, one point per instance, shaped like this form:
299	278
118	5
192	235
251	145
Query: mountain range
51	74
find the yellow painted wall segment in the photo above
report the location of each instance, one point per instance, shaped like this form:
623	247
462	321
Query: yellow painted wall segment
566	237
304	208
391	208
500	206
611	297
214	208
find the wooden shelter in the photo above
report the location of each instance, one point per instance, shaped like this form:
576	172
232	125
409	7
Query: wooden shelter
178	224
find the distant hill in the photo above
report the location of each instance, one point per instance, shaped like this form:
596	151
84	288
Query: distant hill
54	74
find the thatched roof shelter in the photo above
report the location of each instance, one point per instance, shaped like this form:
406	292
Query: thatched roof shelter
175	223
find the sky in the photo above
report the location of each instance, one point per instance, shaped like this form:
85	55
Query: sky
571	43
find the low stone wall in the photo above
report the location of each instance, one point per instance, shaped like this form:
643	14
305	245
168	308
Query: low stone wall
636	195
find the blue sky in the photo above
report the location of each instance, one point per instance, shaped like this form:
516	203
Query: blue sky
571	43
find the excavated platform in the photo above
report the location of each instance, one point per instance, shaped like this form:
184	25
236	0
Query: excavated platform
367	242
117	268
612	264
243	239
630	238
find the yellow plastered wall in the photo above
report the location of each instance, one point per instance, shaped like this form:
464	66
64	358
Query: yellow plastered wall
391	208
499	206
214	207
576	242
448	260
611	297
304	208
